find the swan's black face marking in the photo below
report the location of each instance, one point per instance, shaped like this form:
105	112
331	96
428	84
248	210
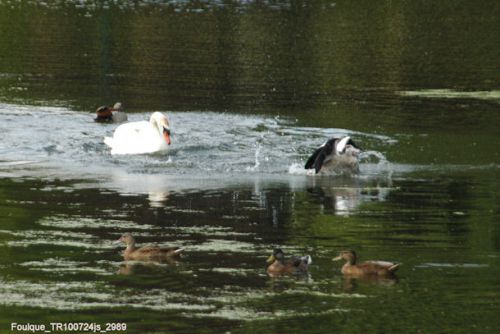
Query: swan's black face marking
166	135
333	149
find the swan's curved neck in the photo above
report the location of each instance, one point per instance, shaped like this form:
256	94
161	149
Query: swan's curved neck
155	122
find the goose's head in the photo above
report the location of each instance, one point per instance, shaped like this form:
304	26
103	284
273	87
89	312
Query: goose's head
160	121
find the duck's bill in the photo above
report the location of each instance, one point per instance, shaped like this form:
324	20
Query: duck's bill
338	258
117	242
270	259
166	136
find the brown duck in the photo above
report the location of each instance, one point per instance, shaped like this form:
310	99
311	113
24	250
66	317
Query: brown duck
146	253
367	268
295	265
114	114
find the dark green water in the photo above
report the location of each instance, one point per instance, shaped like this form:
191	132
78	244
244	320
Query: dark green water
251	87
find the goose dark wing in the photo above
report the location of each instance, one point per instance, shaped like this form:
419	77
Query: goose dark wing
312	158
318	157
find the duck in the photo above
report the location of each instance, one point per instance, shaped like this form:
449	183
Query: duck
141	137
296	265
147	253
338	155
114	114
367	268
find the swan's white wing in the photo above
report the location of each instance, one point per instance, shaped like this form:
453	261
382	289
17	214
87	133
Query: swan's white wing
132	131
136	138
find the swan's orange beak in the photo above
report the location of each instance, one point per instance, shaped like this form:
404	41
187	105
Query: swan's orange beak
166	135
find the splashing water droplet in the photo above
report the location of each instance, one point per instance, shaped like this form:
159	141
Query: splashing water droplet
257	155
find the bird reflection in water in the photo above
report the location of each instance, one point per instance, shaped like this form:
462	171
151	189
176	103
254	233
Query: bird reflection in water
351	283
342	196
137	267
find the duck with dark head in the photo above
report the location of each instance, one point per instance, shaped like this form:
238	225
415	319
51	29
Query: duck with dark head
295	265
114	114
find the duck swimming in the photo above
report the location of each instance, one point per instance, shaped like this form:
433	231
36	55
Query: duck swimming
114	114
141	137
147	253
336	155
295	265
367	268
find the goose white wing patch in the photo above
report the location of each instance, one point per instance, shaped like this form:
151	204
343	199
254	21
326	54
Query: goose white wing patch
342	144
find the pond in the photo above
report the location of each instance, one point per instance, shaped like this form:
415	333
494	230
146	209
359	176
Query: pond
251	89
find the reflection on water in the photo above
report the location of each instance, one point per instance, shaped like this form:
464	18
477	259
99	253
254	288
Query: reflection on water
245	55
61	256
136	267
351	284
453	94
228	200
248	148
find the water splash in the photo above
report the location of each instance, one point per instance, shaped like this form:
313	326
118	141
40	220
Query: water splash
257	161
374	162
238	146
369	156
298	169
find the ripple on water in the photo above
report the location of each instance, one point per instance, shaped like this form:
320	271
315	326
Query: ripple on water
235	304
232	271
222	245
71	222
451	265
228	303
207	230
55	238
237	144
92	295
242	313
453	94
64	266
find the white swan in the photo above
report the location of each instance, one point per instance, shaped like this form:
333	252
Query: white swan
141	137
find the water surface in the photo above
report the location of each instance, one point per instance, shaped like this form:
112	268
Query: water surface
251	89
